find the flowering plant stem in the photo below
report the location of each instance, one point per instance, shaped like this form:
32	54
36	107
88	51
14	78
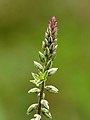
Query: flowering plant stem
40	98
49	46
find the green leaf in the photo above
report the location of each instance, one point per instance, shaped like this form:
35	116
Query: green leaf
51	39
41	76
46	52
56	47
37	117
49	64
52	71
45	103
34	81
35	76
52	46
55	40
53	55
38	65
45	74
39	72
51	88
40	82
46	42
34	90
31	108
46	35
41	57
46	113
33	119
43	45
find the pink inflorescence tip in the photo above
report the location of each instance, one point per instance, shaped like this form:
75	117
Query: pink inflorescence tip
53	26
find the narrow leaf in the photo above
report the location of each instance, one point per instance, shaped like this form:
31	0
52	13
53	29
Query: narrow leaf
37	117
46	113
51	39
34	90
51	88
52	71
49	64
34	81
46	42
56	47
43	45
40	82
45	103
53	55
52	46
31	108
55	40
38	65
46	74
46	52
41	57
35	76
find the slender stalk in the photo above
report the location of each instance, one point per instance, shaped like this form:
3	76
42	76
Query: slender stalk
40	98
41	95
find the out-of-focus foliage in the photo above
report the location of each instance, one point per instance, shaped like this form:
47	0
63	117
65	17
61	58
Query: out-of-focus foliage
22	27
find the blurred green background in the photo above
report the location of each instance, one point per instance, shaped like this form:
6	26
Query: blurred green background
22	27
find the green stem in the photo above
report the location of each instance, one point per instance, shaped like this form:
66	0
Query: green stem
40	98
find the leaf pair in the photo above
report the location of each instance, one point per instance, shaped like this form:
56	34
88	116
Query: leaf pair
45	110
